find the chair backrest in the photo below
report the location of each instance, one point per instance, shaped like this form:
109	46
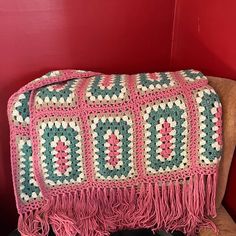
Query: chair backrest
226	89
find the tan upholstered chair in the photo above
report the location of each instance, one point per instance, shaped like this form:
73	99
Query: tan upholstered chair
227	91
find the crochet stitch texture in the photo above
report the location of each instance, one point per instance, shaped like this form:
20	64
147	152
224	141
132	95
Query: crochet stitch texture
93	153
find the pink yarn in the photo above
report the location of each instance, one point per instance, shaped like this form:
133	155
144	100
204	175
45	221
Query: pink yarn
73	194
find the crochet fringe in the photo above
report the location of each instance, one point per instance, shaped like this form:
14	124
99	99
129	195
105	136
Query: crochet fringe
183	205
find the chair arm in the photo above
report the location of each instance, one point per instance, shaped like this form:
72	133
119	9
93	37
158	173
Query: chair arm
226	89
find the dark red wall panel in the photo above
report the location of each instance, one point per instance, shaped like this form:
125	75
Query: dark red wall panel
109	36
205	36
230	199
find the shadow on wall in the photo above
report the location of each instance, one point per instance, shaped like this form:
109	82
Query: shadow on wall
204	35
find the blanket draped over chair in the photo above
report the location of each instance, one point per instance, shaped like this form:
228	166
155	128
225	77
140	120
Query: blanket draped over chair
93	153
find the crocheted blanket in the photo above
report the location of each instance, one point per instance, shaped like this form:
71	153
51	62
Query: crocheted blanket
93	153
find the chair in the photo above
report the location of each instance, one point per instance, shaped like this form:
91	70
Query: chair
226	89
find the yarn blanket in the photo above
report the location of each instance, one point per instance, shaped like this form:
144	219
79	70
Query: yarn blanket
94	153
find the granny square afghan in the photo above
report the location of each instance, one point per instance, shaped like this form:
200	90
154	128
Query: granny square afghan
93	153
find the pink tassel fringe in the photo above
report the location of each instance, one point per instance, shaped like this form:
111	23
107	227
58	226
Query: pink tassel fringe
180	205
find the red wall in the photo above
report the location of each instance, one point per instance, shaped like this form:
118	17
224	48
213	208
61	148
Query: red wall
204	36
109	35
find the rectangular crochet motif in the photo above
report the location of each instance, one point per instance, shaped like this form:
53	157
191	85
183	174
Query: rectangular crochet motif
93	153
